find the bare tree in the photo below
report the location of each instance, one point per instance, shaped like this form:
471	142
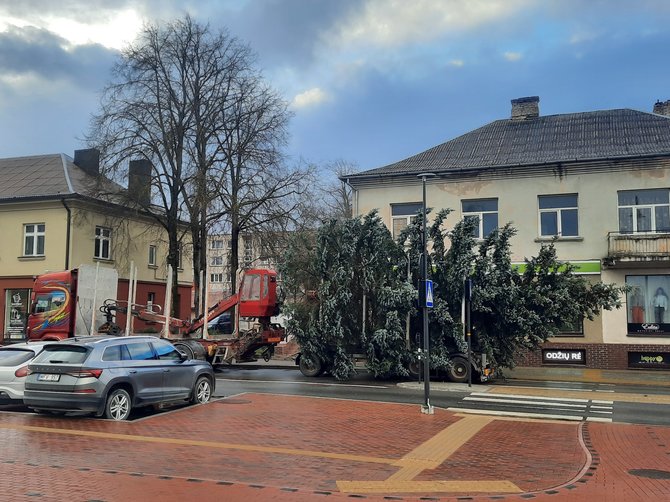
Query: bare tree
338	194
191	102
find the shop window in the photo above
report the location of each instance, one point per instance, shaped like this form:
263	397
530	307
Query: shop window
571	327
647	305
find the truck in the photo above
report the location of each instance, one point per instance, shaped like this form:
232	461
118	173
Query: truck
83	301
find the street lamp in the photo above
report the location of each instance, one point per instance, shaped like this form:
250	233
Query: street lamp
426	407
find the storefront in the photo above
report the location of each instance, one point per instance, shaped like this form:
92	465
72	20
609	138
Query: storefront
648	305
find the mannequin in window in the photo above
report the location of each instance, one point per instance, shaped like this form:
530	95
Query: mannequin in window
660	304
637	306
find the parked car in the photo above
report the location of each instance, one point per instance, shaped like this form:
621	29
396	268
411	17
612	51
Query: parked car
14	361
109	376
222	324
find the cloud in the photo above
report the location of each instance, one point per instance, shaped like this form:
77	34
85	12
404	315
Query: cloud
392	23
456	62
310	98
512	56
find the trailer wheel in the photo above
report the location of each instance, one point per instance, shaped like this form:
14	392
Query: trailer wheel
415	368
310	366
191	348
458	370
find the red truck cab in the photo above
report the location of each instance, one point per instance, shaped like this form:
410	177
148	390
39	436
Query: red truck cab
52	306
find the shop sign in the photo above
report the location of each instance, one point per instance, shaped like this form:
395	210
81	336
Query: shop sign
563	356
16	313
648	329
652	360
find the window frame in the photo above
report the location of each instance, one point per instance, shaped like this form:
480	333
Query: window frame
653	207
216	275
216	261
403	212
35	235
559	215
99	243
153	252
480	215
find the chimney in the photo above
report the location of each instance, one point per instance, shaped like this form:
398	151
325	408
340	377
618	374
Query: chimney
88	160
139	181
662	108
526	108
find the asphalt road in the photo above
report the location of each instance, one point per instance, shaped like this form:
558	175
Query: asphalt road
515	397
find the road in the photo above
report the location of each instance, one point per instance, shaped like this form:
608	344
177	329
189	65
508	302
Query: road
555	400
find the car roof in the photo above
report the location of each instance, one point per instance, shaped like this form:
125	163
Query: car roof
25	345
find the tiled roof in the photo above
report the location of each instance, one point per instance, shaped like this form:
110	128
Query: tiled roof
587	136
52	175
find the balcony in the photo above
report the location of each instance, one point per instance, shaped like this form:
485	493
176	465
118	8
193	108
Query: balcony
638	249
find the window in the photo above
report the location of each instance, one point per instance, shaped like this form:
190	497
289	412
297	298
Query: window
485	212
179	257
103	240
644	211
571	327
647	303
166	351
402	215
558	215
33	239
248	251
218	277
217	244
49	302
151	300
152	256
140	351
217	260
116	353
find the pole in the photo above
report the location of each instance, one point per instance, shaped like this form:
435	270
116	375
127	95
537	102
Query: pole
426	408
129	311
468	324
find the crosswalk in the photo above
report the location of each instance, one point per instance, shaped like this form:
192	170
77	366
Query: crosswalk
514	405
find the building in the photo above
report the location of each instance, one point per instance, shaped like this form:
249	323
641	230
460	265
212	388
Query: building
253	253
53	217
598	182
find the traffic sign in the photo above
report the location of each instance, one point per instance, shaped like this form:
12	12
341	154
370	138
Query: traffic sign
429	293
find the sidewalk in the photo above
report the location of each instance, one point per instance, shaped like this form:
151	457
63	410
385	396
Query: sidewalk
289	448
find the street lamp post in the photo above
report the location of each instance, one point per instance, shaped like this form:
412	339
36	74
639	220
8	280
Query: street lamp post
426	407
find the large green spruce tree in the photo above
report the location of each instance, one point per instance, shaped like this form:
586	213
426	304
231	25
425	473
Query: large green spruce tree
360	295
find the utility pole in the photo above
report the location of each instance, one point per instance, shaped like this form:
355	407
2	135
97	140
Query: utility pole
427	288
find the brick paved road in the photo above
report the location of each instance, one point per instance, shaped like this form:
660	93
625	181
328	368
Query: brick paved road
287	448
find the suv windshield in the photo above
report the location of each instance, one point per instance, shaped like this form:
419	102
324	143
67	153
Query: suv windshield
63	354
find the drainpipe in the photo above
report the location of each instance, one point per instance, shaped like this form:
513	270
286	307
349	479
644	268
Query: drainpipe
67	235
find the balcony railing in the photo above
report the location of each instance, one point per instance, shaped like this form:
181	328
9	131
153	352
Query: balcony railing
639	246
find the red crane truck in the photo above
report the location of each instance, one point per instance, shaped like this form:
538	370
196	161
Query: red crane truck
64	305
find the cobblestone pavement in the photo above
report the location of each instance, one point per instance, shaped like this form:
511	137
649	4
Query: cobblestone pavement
286	448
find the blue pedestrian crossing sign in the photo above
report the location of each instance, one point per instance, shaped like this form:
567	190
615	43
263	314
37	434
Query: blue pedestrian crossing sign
429	293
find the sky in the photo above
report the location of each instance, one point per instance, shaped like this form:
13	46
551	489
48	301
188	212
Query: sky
369	82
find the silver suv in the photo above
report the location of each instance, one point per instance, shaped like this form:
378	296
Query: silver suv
110	376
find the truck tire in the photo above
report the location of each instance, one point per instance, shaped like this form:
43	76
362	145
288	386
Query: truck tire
458	370
191	348
310	366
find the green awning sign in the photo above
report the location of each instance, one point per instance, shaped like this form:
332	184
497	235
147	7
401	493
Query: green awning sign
588	267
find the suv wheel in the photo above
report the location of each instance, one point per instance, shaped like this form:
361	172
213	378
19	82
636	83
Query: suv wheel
202	391
118	405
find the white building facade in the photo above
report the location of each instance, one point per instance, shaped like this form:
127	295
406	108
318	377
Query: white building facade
597	182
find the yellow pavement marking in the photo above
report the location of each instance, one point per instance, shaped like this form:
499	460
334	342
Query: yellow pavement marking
440	447
430	455
207	444
578	394
428	486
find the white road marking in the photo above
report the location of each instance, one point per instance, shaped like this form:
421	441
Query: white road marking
539	398
519	401
594	407
603	412
517	414
597	401
598	419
